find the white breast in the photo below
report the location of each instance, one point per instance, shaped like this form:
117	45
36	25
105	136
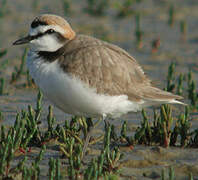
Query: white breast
71	95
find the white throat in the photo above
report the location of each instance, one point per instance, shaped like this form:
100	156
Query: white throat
48	42
45	43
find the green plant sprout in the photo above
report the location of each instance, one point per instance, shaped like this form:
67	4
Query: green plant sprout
180	84
171	77
192	94
125	8
171	19
3	9
2	86
35	4
97	7
3	53
29	81
66	6
183	29
54	169
16	75
138	32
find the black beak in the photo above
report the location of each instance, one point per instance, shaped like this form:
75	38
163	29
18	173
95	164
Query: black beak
23	40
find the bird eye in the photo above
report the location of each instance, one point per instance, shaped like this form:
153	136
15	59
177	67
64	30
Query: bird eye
50	31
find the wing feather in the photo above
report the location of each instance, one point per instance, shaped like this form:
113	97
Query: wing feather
108	69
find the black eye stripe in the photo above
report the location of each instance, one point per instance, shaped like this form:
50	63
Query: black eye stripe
49	31
37	36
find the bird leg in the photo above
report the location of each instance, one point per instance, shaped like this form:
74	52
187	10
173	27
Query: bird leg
88	136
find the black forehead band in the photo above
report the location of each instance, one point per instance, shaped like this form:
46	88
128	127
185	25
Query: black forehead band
37	23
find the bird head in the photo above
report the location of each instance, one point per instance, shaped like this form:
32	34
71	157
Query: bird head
47	33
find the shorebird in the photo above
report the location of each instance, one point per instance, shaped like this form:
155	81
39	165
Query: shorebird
85	76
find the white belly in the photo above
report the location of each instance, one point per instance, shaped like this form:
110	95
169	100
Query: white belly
74	97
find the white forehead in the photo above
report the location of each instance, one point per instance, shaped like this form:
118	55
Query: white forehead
43	28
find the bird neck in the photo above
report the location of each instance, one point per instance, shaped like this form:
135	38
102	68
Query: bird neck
52	56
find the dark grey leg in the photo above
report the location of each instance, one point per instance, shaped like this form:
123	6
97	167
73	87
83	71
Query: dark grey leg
86	143
89	134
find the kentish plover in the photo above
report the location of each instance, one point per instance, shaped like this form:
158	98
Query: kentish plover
86	76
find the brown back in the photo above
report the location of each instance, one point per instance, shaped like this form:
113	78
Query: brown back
104	67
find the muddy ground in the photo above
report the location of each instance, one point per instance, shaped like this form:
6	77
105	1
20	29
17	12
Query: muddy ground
143	162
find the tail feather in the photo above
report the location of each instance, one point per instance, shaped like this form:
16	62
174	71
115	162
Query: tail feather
154	96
